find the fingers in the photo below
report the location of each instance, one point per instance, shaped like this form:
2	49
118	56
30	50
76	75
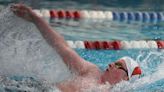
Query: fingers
20	10
14	8
17	5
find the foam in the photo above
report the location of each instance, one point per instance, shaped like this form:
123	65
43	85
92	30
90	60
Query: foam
25	53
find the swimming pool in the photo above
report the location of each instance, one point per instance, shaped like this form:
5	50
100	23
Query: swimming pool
30	52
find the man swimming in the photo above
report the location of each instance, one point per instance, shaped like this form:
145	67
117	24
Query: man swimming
87	74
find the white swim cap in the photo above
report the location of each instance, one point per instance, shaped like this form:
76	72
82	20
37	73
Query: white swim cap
134	71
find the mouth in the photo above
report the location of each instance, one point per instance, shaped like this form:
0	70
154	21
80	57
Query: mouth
107	69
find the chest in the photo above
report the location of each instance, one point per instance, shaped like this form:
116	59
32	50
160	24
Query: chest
78	84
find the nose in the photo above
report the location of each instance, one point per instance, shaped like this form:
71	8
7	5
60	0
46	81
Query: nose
111	65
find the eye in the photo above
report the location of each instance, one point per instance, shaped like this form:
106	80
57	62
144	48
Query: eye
118	65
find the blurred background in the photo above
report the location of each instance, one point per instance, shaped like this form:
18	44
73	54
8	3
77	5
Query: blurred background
156	5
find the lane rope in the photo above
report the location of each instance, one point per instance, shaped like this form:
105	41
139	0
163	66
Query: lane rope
117	45
106	15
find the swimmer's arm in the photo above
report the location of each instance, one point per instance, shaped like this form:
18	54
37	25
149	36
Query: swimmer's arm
69	56
54	39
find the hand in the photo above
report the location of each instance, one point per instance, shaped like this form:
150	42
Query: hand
23	11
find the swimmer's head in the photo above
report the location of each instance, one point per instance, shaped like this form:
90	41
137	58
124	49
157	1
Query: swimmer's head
123	69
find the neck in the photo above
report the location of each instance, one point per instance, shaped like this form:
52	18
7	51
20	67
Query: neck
100	80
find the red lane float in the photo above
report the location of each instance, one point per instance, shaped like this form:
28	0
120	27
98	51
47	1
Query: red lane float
53	14
104	15
65	14
88	45
69	14
116	45
106	45
61	14
97	45
160	44
77	14
102	45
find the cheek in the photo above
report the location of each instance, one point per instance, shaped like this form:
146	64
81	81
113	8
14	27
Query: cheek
113	76
107	75
118	75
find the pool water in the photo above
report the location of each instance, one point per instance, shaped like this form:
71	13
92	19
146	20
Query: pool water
26	58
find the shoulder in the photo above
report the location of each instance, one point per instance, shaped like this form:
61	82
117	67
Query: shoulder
90	69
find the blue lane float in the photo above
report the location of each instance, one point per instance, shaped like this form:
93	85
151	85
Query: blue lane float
150	16
138	16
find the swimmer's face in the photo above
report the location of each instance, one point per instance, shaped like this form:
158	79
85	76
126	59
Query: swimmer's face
115	72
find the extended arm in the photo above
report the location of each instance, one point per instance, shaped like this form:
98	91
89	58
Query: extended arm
69	56
54	39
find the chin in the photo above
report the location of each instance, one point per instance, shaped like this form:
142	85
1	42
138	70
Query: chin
102	79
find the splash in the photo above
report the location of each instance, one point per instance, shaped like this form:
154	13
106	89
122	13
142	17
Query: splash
23	51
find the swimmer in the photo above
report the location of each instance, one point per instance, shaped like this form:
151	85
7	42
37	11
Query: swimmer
87	73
